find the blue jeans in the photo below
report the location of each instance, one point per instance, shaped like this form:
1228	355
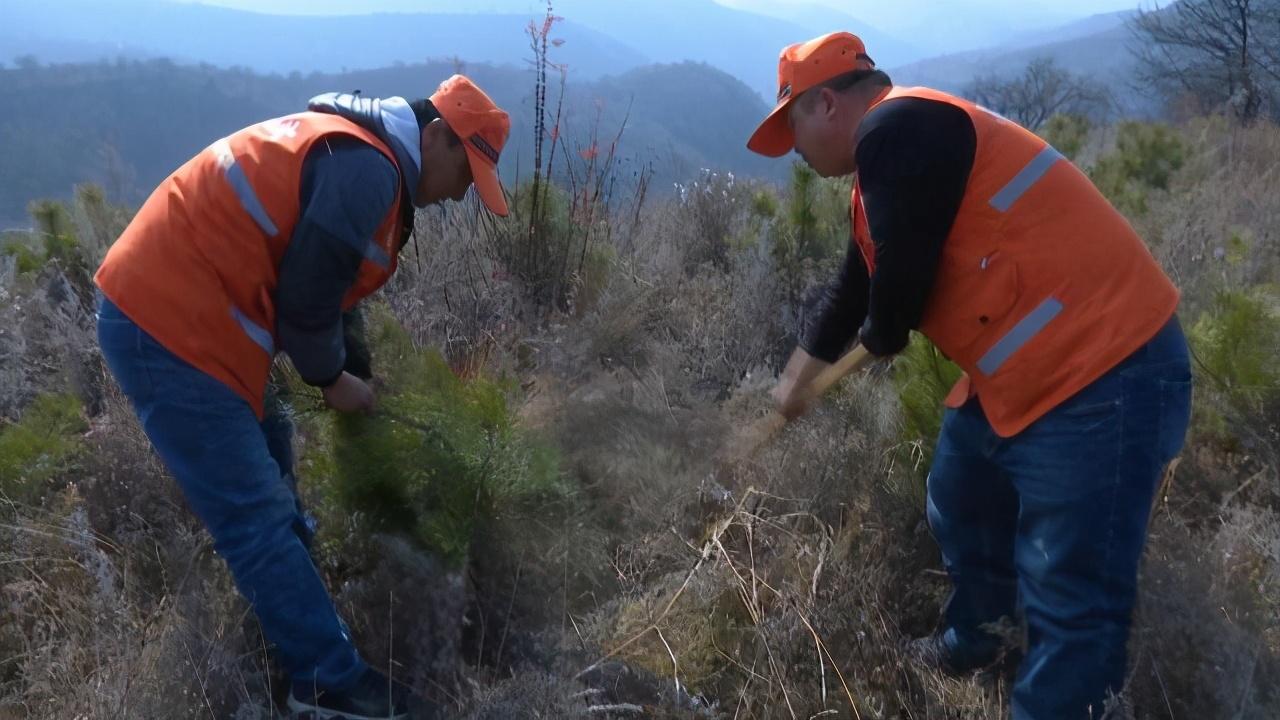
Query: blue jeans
1052	522
228	465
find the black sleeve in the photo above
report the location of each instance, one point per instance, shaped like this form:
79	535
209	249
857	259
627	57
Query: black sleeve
356	341
347	189
914	157
839	311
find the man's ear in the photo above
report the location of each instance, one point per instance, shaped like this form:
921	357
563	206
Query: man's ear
827	102
428	130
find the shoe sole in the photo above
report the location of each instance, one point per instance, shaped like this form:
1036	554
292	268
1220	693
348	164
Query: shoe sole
301	711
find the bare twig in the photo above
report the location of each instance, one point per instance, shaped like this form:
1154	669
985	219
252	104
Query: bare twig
617	709
675	664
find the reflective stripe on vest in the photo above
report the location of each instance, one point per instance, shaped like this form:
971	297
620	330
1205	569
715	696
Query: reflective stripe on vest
240	184
258	334
1025	178
1069	290
1036	320
376	255
1027	328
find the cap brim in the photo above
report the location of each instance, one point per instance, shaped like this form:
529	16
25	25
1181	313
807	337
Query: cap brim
485	178
774	137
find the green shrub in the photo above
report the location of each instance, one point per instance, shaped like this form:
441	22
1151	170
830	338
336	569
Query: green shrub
54	240
1067	133
1238	372
1145	159
817	213
44	444
812	230
764	204
439	456
923	377
57	232
103	222
27	258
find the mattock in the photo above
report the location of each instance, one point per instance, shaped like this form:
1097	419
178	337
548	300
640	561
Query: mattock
750	441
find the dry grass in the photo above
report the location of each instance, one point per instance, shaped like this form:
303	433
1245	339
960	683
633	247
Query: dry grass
782	589
114	604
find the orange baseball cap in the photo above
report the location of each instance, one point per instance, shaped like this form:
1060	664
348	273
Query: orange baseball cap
800	67
483	128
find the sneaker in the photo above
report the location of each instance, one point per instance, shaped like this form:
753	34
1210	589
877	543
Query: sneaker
939	652
372	697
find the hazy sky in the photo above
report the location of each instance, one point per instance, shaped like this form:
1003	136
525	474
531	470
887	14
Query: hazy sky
932	27
1081	7
868	10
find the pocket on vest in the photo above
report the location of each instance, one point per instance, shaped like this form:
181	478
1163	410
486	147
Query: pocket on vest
978	295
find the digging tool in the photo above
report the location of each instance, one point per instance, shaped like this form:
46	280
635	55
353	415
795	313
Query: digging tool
757	435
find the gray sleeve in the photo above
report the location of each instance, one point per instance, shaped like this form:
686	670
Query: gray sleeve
347	189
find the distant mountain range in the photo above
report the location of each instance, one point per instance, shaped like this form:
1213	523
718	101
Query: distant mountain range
1099	47
127	124
600	37
80	30
927	27
946	27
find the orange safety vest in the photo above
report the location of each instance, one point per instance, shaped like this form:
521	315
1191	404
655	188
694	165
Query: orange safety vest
1042	286
197	267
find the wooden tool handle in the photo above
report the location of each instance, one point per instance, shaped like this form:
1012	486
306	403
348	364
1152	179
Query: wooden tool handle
758	433
855	359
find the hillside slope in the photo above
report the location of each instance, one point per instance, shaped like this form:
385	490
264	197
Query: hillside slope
128	124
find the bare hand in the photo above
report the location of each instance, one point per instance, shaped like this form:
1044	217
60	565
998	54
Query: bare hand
792	392
791	403
349	394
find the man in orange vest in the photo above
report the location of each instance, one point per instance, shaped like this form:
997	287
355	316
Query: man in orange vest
1076	390
255	246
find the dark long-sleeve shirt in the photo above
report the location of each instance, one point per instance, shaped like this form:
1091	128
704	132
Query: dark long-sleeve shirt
913	157
347	188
